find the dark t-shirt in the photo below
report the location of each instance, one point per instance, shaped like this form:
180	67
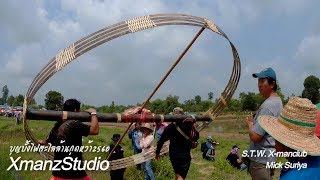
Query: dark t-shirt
179	147
232	158
117	154
68	134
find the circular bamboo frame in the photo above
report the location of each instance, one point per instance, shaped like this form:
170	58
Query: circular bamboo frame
109	33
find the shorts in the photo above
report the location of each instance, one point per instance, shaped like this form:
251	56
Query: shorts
181	166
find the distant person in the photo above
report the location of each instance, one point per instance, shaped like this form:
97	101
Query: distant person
18	117
146	144
117	154
208	149
294	131
259	139
69	133
180	146
235	160
178	111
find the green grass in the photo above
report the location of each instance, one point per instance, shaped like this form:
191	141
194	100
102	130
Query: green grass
200	169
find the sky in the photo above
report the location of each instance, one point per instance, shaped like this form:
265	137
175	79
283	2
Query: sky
284	35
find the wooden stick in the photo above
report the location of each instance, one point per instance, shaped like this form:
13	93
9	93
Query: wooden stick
159	84
106	117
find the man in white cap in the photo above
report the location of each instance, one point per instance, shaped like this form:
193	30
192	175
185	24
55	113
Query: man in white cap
260	141
294	133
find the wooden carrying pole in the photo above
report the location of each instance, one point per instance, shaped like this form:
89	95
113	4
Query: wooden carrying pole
159	84
106	117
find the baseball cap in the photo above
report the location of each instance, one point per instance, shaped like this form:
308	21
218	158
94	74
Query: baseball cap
209	137
267	72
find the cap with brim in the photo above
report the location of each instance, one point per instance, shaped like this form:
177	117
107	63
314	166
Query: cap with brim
147	126
265	73
116	137
295	127
235	147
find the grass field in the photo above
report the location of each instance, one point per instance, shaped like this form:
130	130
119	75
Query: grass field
227	131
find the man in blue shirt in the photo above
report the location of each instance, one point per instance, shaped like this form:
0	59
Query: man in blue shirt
135	134
210	154
294	135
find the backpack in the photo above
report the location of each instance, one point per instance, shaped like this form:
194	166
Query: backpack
204	147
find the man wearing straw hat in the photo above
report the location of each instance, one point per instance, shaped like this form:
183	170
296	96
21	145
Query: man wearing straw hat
261	143
294	132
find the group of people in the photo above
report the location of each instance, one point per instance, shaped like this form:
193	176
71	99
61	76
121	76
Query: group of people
70	132
272	128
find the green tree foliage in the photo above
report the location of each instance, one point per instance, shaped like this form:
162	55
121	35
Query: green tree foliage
170	103
248	101
10	100
5	93
210	96
18	100
54	101
311	89
197	99
279	92
234	105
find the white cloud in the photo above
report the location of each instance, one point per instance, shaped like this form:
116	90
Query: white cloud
308	52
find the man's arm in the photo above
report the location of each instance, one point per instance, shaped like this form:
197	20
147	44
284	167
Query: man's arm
256	132
164	138
254	137
94	125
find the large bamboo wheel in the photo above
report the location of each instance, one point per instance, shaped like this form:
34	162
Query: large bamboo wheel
109	33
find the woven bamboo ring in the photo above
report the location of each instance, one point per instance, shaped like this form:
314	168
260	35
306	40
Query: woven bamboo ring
109	33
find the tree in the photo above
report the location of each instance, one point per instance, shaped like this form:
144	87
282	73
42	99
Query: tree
5	92
280	94
234	105
248	101
210	96
10	100
18	100
170	103
197	98
112	107
54	101
33	102
311	89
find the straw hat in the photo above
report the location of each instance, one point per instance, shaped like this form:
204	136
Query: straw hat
295	127
147	126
